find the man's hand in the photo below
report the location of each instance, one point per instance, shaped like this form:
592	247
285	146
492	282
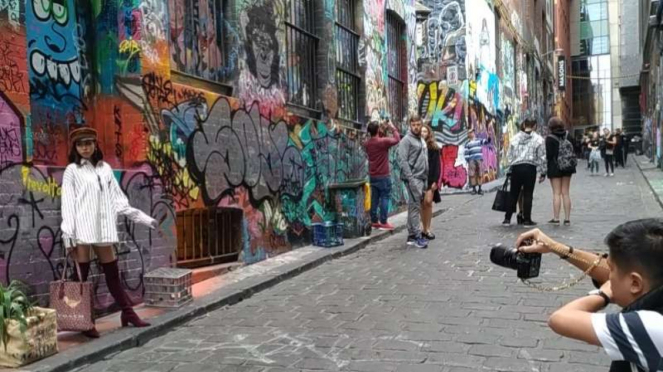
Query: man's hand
541	243
542	178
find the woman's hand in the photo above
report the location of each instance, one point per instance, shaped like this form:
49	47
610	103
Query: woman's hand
433	186
154	224
540	242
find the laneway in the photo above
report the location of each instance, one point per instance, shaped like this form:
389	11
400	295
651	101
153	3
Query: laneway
392	308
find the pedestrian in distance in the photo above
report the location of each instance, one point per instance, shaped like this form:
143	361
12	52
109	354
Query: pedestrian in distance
526	157
595	154
561	165
610	142
474	159
382	139
432	194
630	276
413	160
619	148
91	201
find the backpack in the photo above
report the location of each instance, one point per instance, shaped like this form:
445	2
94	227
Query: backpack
566	158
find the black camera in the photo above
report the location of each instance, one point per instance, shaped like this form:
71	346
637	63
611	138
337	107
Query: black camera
526	264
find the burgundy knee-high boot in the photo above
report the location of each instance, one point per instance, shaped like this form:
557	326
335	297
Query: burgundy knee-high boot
85	272
114	284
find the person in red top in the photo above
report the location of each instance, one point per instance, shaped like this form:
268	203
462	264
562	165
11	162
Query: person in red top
377	149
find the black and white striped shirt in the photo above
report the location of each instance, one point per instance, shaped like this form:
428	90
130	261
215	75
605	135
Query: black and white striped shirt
91	201
635	337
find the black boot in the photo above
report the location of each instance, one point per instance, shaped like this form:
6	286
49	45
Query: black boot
85	272
115	288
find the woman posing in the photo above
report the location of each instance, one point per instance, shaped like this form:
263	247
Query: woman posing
432	192
91	201
560	177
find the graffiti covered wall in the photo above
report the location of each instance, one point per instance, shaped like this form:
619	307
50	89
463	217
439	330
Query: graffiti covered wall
192	112
451	96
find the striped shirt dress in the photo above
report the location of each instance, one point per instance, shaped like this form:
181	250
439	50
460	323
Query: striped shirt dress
635	337
91	201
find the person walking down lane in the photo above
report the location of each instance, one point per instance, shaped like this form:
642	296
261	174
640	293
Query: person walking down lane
561	166
91	201
377	149
413	160
526	158
432	194
474	158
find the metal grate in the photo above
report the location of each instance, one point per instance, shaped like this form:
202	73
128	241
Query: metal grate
197	38
207	236
347	62
301	44
396	66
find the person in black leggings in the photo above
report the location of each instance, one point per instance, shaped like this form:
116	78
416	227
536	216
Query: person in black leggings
526	156
609	157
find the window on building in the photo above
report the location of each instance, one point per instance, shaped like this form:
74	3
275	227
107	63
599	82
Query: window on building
301	42
347	61
197	38
396	67
594	27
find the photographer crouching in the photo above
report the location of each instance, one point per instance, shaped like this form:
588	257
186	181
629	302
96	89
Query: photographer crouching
631	276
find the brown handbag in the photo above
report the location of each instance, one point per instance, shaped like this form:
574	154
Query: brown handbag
72	302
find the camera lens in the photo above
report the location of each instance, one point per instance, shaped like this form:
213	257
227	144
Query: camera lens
505	257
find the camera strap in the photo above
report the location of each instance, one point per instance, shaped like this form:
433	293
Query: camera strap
573	282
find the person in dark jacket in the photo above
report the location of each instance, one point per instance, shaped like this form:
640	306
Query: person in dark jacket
432	193
619	148
559	180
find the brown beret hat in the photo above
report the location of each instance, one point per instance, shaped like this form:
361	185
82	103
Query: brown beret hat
82	133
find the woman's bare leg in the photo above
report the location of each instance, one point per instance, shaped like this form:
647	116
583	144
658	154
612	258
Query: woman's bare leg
556	184
566	195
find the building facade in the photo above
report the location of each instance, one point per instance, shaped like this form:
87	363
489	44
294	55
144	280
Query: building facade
596	63
651	78
227	121
564	87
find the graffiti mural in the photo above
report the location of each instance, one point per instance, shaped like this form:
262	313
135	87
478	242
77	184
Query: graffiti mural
226	138
11	122
59	78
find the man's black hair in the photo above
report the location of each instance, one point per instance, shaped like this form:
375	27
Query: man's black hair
638	245
75	157
373	128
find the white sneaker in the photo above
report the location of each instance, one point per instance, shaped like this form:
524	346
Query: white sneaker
612	174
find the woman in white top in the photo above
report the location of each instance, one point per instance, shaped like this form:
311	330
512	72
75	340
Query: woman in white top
91	201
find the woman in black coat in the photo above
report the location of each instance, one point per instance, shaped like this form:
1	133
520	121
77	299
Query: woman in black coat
559	180
432	192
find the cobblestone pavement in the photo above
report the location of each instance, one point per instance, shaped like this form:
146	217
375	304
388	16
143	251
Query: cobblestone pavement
393	308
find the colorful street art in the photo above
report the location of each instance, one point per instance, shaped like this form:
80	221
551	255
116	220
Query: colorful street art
119	66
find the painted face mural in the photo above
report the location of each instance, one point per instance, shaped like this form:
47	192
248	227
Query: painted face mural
262	53
55	46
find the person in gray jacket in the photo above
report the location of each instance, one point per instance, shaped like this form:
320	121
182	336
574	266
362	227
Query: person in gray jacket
413	161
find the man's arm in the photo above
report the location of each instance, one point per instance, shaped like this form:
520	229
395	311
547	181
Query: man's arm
541	155
403	150
574	320
394	139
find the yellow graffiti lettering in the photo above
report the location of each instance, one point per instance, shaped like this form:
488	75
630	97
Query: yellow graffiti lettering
49	187
129	46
